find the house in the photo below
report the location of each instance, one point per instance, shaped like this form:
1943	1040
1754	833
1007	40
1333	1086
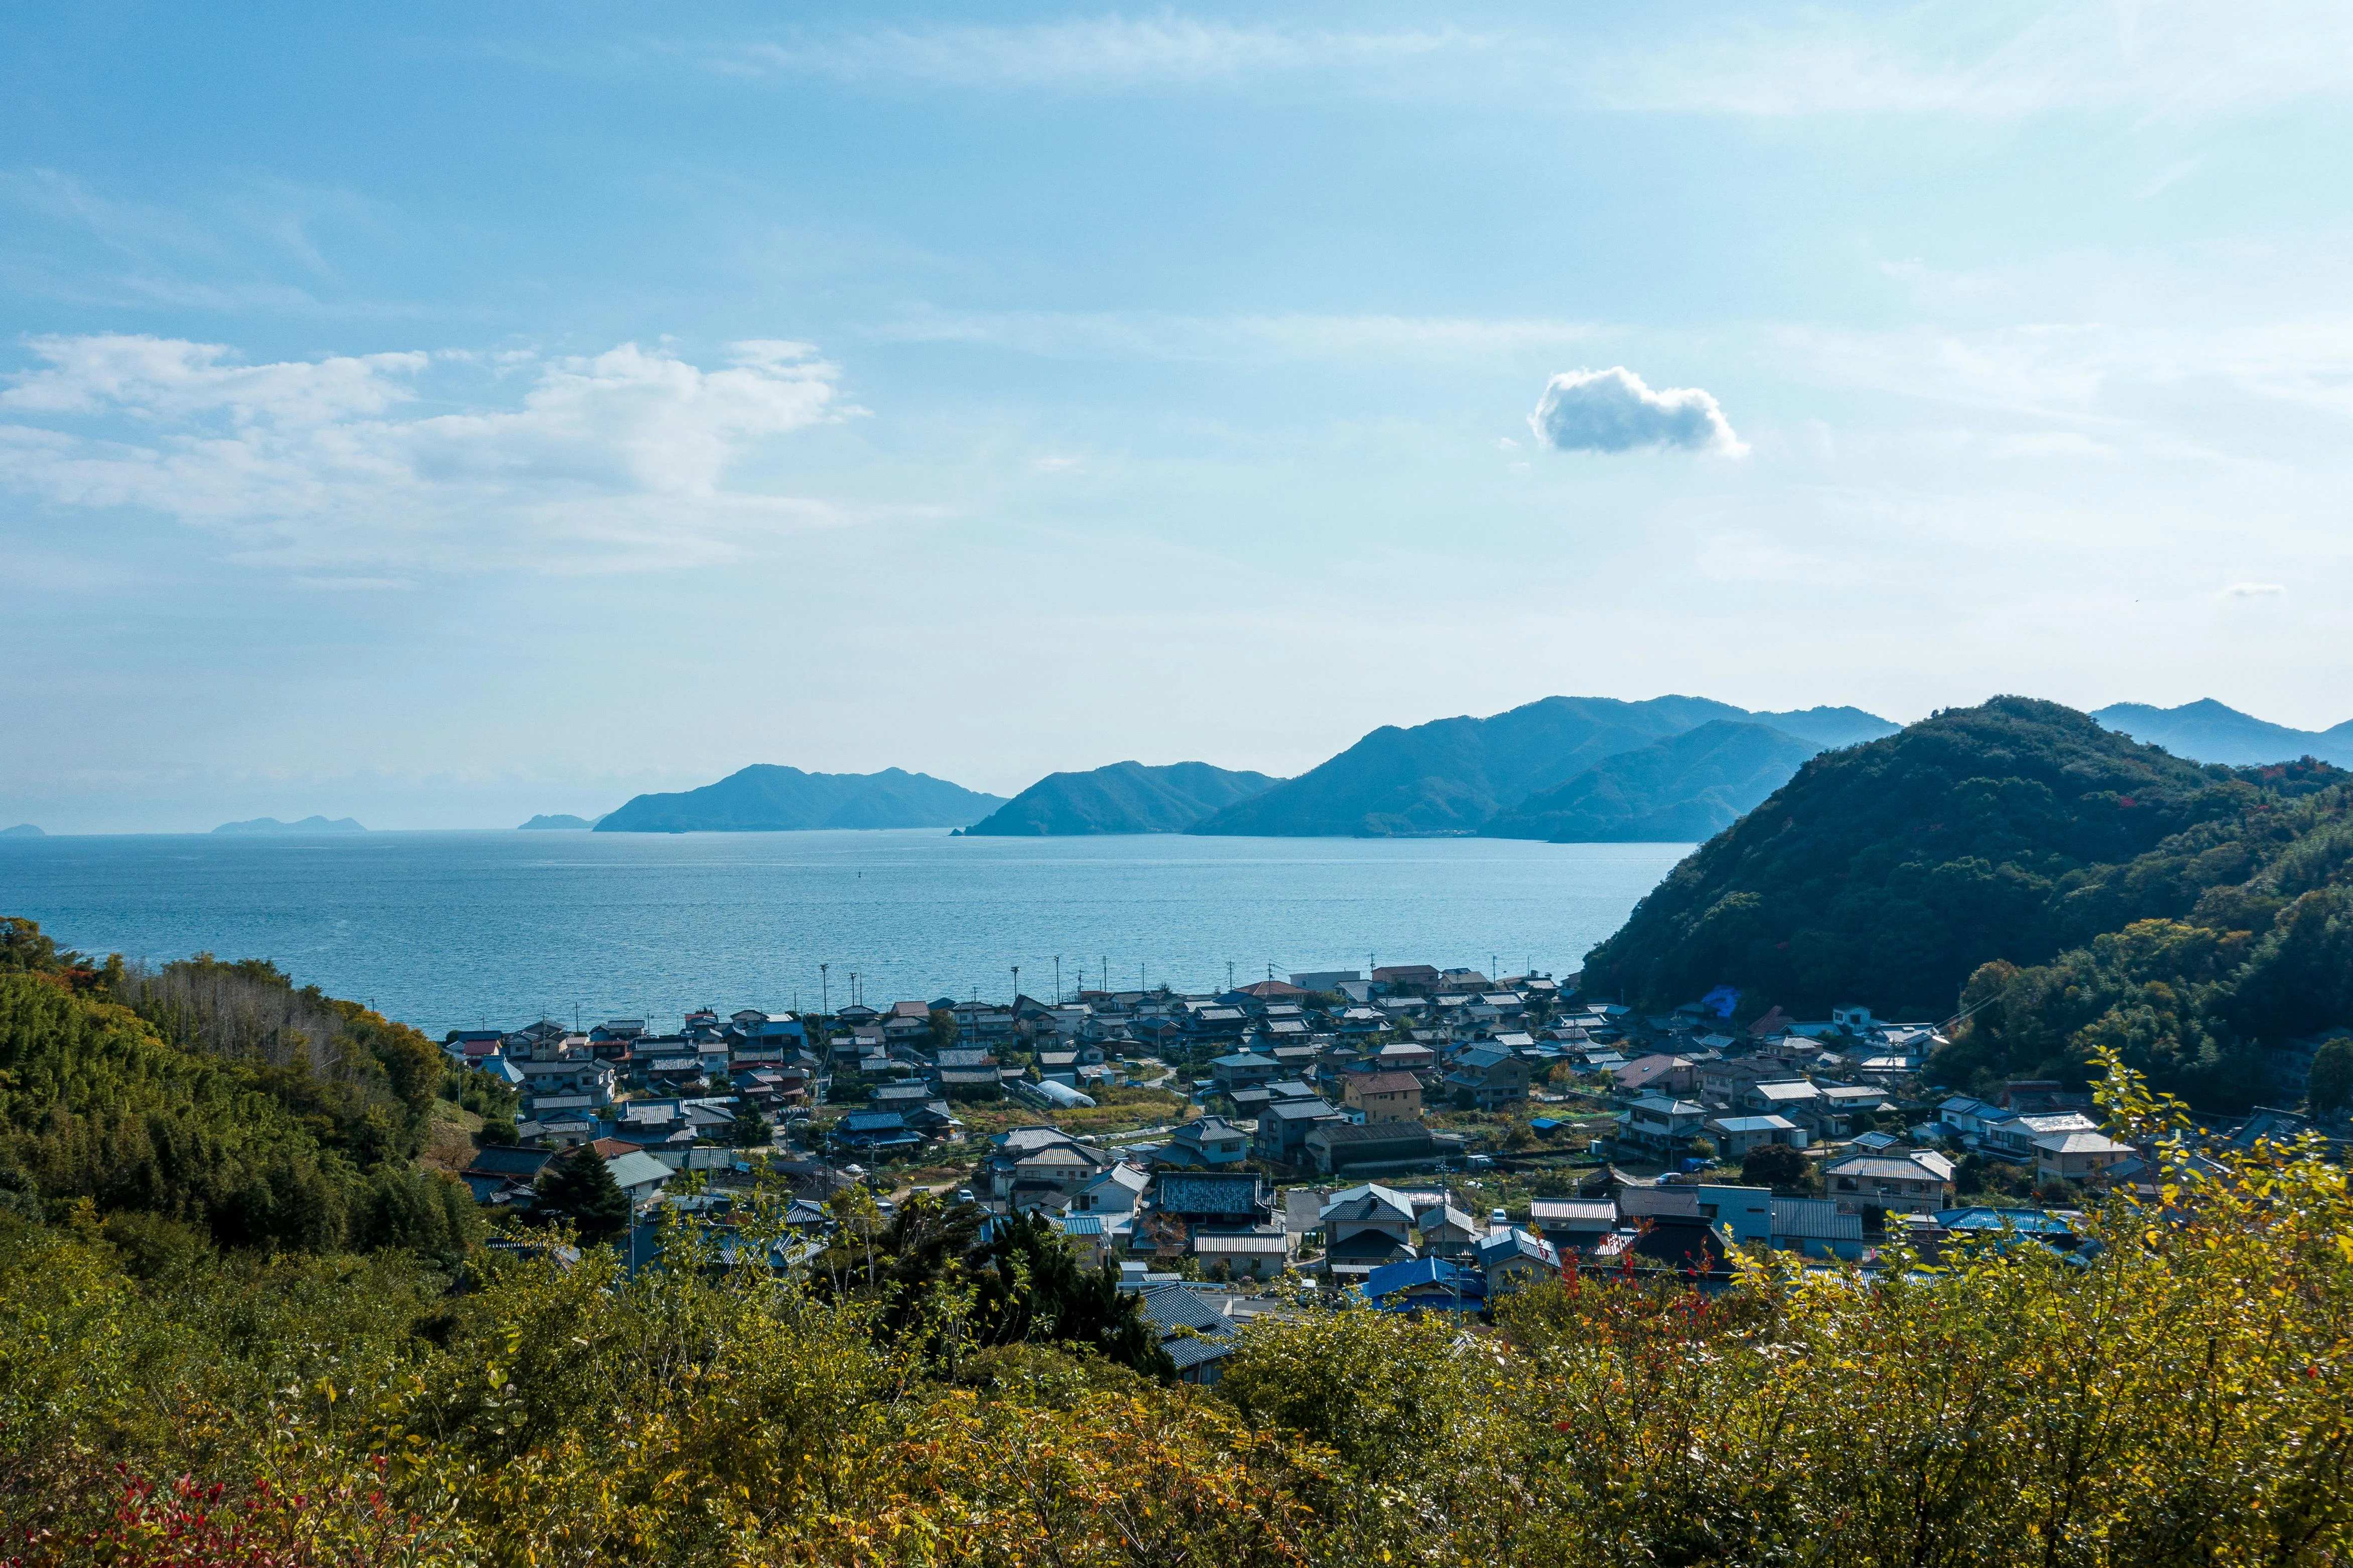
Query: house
1799	1099
1206	1141
1010	1148
1816	1227
1913	1180
504	1173
2015	1135
1196	1336
1574	1224
1282	1130
1382	1096
1443	1230
1366	1227
1093	1238
1225	1199
2078	1156
876	1131
1406	976
1047	1177
1672	1244
1854	1018
1489	1077
1511	1257
1426	1284
1735	1135
1661	1126
1656	1073
1338	1147
1115	1191
1243	1255
638	1175
1242	1070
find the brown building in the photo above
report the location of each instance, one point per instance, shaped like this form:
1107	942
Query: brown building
1383	1095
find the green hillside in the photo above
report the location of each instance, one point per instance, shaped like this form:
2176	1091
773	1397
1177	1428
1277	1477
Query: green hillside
1682	789
2021	834
1125	798
217	1102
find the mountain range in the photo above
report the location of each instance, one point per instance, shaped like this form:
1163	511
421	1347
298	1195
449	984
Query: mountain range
1683	789
558	822
1125	798
2211	732
766	798
1457	776
308	824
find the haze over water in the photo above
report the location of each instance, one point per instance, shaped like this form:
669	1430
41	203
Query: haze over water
456	930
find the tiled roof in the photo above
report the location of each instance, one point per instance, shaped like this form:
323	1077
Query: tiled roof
1195	1192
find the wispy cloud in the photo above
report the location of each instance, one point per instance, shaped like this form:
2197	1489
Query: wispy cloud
2253	591
1092	54
1238	339
619	458
1986	61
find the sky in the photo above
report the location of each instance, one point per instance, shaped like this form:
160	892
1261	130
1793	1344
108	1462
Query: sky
441	414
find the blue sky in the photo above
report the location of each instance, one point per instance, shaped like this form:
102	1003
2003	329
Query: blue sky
451	414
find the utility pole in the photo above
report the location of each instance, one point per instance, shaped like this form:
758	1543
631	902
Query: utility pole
1017	992
824	988
1057	980
1229	974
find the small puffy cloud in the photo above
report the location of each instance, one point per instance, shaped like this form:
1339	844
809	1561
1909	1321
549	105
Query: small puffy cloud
1614	410
604	460
2253	590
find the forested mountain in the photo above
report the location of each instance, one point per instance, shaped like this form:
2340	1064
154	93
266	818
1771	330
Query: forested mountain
2192	914
2211	732
765	799
219	1099
1125	798
1455	775
1682	789
560	822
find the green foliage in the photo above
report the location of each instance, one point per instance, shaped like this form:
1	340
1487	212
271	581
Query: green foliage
944	1028
1778	1166
578	1186
2331	1086
2174	1396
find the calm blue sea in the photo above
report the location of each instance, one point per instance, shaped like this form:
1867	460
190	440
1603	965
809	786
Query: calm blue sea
461	930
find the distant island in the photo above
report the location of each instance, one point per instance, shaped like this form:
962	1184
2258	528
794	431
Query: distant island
1681	790
2211	732
22	830
560	822
768	798
1125	798
308	825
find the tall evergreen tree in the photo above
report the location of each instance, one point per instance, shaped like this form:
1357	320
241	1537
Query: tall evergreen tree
579	1187
750	1130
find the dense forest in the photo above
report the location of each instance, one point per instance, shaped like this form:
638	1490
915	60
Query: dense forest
2067	885
216	1104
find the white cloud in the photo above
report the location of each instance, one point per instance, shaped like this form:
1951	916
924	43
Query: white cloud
2253	591
1614	411
616	458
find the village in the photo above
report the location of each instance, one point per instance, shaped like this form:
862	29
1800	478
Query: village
1405	1139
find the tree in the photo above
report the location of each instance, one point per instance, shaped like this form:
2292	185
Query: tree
2331	1086
944	1028
1776	1165
579	1186
750	1130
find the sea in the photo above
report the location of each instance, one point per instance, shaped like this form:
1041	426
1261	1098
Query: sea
497	928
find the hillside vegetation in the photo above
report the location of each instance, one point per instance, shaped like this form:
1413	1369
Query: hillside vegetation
213	1104
2176	1398
2023	836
